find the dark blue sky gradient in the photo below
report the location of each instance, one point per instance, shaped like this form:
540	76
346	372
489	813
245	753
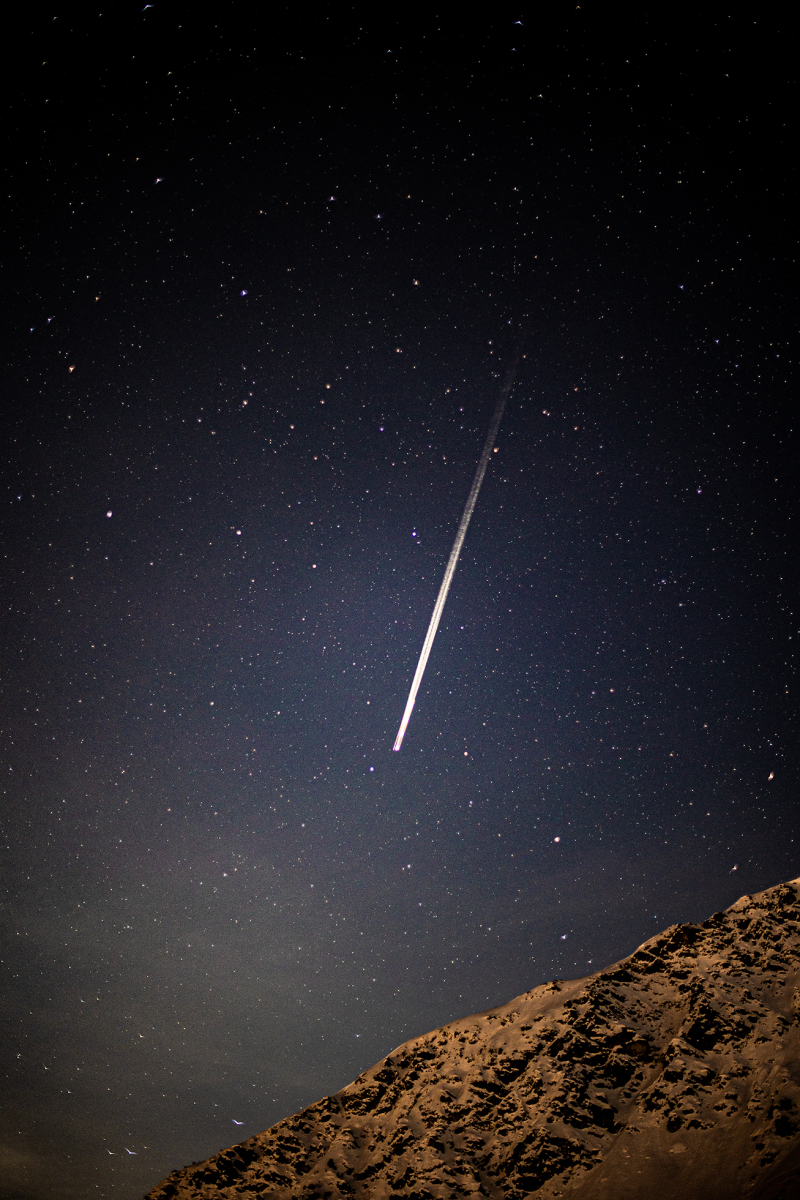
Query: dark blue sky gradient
243	408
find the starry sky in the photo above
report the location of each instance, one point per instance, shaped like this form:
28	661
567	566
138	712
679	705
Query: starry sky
262	277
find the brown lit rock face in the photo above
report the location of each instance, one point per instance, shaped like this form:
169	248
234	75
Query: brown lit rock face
673	1075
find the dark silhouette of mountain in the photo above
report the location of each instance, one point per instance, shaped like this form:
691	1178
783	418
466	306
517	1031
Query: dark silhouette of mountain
674	1074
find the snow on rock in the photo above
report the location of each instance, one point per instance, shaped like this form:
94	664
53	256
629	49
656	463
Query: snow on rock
673	1074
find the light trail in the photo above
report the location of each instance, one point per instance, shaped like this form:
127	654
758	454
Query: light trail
452	562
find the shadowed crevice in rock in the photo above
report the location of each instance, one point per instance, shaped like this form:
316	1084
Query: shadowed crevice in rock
674	1073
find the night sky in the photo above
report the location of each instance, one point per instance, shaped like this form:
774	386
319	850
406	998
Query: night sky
262	277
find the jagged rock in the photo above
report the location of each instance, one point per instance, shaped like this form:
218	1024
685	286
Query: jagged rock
673	1074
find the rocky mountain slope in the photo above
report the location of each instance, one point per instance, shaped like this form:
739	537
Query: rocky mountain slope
673	1074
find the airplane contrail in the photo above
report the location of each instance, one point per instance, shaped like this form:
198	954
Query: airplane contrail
461	533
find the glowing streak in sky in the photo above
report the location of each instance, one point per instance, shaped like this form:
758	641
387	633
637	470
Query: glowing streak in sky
452	562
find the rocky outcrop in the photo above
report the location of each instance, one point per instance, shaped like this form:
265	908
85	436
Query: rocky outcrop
673	1074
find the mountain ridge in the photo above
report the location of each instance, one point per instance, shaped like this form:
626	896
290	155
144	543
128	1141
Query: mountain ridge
675	1070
